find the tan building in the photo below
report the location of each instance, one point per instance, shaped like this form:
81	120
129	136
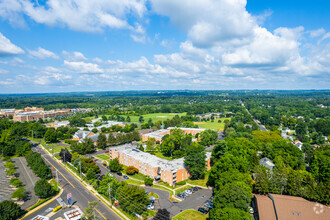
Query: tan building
159	134
282	207
33	109
168	171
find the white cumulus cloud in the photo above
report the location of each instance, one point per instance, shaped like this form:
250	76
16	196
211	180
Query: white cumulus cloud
82	67
42	53
8	48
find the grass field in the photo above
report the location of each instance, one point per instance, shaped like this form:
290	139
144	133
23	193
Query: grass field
201	182
160	155
190	214
134	182
154	117
213	125
102	157
56	149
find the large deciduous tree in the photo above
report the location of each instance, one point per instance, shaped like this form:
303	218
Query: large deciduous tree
101	141
195	161
43	189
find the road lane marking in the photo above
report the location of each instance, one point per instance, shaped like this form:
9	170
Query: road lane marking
59	172
101	214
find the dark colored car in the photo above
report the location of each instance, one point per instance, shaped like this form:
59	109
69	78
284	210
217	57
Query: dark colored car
126	177
152	202
119	174
180	195
92	157
202	210
104	165
208	204
194	189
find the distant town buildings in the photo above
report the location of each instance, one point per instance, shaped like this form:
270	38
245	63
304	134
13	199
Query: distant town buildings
159	134
35	113
170	172
215	115
274	206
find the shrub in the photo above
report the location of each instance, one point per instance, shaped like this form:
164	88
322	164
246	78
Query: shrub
11	171
181	183
148	181
131	170
15	182
19	194
9	165
57	208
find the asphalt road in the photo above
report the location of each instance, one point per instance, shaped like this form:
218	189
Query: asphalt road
79	193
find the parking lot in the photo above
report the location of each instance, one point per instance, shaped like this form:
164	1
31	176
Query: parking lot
194	201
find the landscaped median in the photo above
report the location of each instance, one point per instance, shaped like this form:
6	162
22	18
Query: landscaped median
191	215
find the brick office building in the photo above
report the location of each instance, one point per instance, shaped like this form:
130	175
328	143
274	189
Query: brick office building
168	171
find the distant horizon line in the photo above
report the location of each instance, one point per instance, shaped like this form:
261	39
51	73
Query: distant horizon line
162	90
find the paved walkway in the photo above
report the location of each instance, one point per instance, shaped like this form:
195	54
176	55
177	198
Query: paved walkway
5	190
29	179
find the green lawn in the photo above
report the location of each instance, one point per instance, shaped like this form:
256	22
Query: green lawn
153	194
154	117
190	214
201	182
57	149
212	125
160	155
102	157
134	182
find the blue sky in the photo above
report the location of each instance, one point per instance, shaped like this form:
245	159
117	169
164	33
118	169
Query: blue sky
103	45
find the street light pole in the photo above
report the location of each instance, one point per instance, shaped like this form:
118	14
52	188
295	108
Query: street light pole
110	195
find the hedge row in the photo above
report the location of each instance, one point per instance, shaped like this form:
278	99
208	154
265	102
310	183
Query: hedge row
38	166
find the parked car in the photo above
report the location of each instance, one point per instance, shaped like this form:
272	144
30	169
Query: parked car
151	207
152	202
185	194
188	191
152	198
107	152
126	177
95	160
194	189
202	210
92	157
208	204
119	174
105	165
251	210
212	197
180	195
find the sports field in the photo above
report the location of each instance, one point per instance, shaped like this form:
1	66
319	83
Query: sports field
154	117
212	125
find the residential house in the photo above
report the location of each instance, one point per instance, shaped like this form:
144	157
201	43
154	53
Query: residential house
267	163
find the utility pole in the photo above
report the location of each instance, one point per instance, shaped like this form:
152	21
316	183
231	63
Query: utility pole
57	180
110	195
80	168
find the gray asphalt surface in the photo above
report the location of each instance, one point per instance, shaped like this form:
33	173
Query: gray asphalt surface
29	179
79	193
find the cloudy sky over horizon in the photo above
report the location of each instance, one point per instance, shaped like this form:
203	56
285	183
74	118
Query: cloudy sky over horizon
107	45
